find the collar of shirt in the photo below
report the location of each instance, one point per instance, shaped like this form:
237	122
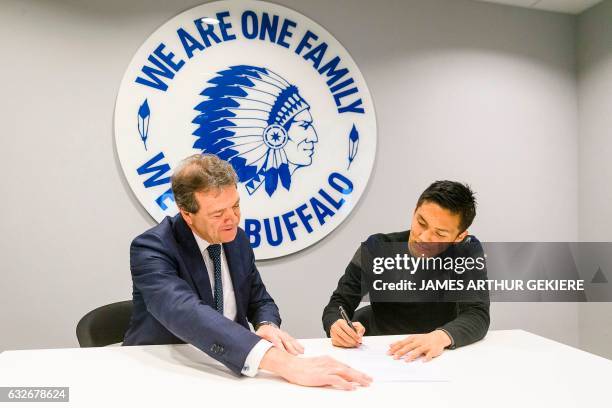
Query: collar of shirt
202	243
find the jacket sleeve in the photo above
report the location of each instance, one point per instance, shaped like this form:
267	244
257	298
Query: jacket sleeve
470	325
261	305
348	294
175	305
473	319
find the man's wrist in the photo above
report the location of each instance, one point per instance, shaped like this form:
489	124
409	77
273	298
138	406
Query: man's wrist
276	361
253	359
448	339
265	323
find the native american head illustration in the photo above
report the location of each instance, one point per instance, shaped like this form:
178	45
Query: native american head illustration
259	122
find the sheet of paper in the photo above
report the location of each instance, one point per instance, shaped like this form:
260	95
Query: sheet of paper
374	361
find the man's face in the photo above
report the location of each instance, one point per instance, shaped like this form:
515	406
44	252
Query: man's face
217	219
302	139
433	229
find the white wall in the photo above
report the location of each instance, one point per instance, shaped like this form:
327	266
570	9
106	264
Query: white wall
595	209
463	90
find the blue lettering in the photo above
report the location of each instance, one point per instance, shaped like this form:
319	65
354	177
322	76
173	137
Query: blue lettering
287	24
329	199
269	27
162	70
167	195
352	107
190	44
320	210
246	16
316	54
340	95
224	26
206	32
329	69
305	42
289	224
168	58
252	228
323	206
341	85
345	189
158	171
304	217
279	233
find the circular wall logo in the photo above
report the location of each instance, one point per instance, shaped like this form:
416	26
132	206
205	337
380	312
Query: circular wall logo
266	89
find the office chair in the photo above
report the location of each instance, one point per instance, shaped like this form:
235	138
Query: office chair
104	325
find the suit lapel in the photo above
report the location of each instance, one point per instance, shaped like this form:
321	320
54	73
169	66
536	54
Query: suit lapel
235	267
194	262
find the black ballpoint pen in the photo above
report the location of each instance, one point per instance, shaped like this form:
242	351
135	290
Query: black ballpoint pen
346	318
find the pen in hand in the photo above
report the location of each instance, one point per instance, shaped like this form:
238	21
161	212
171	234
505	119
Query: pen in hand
344	332
346	319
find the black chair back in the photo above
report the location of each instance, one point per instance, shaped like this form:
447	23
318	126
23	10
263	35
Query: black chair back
104	325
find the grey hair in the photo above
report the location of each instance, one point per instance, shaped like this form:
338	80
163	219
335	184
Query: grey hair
200	172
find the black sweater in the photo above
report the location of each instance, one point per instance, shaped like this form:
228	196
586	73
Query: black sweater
465	322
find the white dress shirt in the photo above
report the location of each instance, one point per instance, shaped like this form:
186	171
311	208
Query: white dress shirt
251	364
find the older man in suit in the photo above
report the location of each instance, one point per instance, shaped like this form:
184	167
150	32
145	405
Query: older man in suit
195	281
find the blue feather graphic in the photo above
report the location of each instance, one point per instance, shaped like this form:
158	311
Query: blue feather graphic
353	145
144	113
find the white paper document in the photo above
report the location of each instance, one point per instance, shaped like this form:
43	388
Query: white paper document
374	361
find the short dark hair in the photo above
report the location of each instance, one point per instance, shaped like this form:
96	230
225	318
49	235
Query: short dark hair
200	172
456	197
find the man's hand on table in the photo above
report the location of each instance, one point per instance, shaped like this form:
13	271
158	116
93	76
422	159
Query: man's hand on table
280	339
313	372
428	345
343	336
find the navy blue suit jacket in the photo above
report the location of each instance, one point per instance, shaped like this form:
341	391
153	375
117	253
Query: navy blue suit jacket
173	300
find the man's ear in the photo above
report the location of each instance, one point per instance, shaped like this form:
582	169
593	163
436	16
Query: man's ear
462	236
186	216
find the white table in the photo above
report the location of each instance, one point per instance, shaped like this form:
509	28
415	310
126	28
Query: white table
509	368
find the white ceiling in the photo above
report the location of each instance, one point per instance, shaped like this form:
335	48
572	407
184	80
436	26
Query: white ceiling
563	6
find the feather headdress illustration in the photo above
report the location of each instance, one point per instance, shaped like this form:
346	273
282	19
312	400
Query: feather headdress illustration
259	122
